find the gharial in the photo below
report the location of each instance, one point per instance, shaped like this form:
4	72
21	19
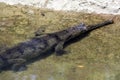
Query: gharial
23	52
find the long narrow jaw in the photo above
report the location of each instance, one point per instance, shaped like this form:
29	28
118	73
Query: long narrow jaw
107	22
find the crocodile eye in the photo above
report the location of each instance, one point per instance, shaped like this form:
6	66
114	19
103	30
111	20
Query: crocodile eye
81	26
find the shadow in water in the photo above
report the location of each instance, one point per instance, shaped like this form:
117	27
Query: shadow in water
78	38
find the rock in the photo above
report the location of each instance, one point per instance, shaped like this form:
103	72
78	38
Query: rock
97	6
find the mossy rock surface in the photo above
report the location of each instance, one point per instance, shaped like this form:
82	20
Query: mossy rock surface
94	57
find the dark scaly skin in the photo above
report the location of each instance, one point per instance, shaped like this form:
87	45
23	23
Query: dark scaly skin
18	55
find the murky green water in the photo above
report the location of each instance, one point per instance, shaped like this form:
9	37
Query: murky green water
94	57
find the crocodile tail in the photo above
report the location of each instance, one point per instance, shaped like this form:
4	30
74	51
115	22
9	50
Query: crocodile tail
92	27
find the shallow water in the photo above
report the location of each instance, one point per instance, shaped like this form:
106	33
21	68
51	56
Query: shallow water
93	57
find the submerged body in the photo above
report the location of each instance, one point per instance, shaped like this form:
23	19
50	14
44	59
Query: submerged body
18	55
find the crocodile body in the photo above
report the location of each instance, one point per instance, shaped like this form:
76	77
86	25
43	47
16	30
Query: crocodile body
19	54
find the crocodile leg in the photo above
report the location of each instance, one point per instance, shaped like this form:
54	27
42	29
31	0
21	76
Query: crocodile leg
59	48
40	31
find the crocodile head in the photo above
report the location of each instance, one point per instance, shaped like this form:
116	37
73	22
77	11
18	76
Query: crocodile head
76	30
